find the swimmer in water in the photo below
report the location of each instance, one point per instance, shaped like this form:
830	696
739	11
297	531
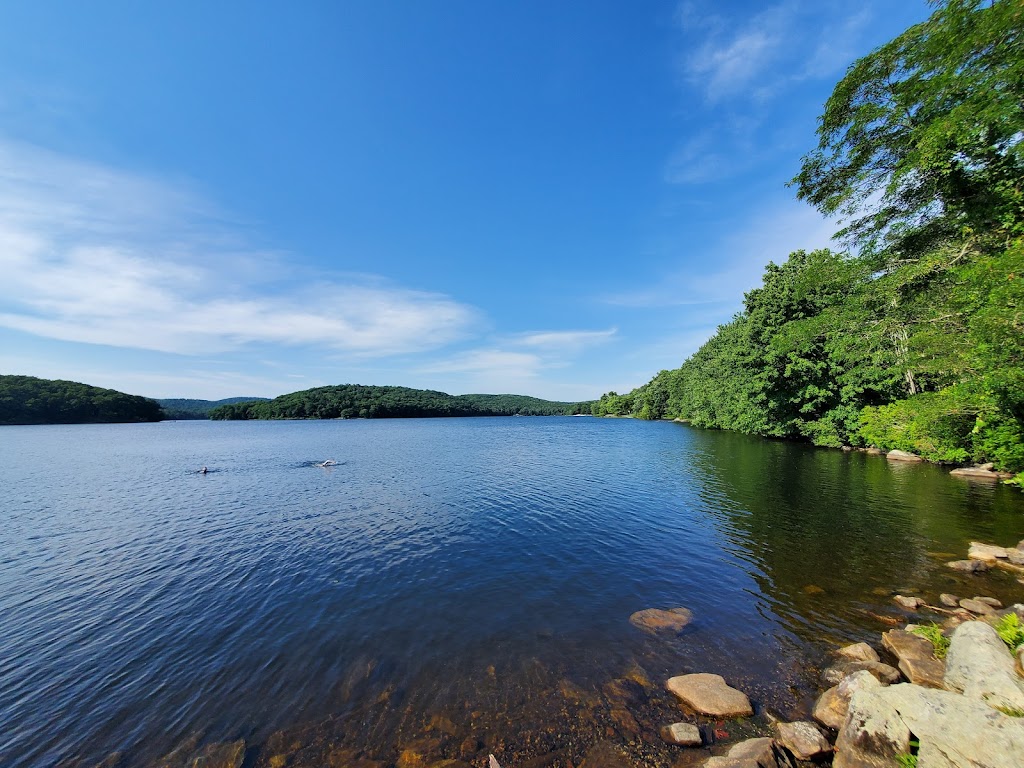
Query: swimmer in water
203	471
327	463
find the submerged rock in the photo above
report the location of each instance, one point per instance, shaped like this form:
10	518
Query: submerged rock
948	600
913	603
836	673
979	665
682	734
976	606
969	566
655	620
710	695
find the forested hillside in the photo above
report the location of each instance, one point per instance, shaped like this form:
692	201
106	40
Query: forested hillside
184	408
912	336
350	401
28	400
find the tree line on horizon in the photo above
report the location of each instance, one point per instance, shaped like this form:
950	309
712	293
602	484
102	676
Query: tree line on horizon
912	336
357	401
30	400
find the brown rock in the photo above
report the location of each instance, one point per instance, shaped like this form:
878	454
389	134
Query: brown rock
902	456
604	754
732	762
903	644
948	600
986	552
831	708
858	652
908	602
709	695
924	671
969	566
980	473
977	607
760	749
883	672
803	740
654	620
989	601
682	734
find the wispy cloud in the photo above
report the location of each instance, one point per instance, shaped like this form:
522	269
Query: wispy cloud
97	255
564	340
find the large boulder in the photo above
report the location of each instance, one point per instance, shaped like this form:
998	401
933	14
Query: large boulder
873	734
954	731
858	652
988	553
916	657
710	695
654	620
902	456
979	665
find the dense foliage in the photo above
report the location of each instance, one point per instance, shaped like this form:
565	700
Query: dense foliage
183	408
914	339
28	400
350	401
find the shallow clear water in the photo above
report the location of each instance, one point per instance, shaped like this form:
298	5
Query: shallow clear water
466	579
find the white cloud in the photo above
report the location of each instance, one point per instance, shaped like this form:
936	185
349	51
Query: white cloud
569	341
96	255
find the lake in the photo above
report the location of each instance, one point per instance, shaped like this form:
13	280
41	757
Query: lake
453	587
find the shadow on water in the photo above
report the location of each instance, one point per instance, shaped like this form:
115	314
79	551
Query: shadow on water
466	591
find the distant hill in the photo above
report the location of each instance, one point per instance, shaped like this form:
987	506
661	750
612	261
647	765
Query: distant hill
28	400
352	401
181	408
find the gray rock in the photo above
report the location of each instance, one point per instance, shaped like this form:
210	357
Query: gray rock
709	695
979	473
803	740
955	730
979	665
902	456
948	600
885	673
858	652
654	620
1015	556
977	607
989	601
682	734
969	566
987	552
908	602
832	706
873	734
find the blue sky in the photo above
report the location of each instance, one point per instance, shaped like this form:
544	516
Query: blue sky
557	199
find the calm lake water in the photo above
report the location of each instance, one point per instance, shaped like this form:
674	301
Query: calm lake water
453	587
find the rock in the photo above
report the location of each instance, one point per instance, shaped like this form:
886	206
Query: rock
832	706
930	672
969	566
873	451
604	754
908	602
734	762
902	456
953	730
980	473
655	620
760	750
709	695
987	552
976	606
948	600
903	644
858	652
682	734
885	673
989	601
1015	556
979	665
873	733
803	740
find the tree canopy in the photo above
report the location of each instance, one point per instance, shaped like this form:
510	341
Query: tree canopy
914	339
28	400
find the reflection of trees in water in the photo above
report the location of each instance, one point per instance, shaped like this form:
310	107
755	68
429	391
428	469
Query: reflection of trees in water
828	531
